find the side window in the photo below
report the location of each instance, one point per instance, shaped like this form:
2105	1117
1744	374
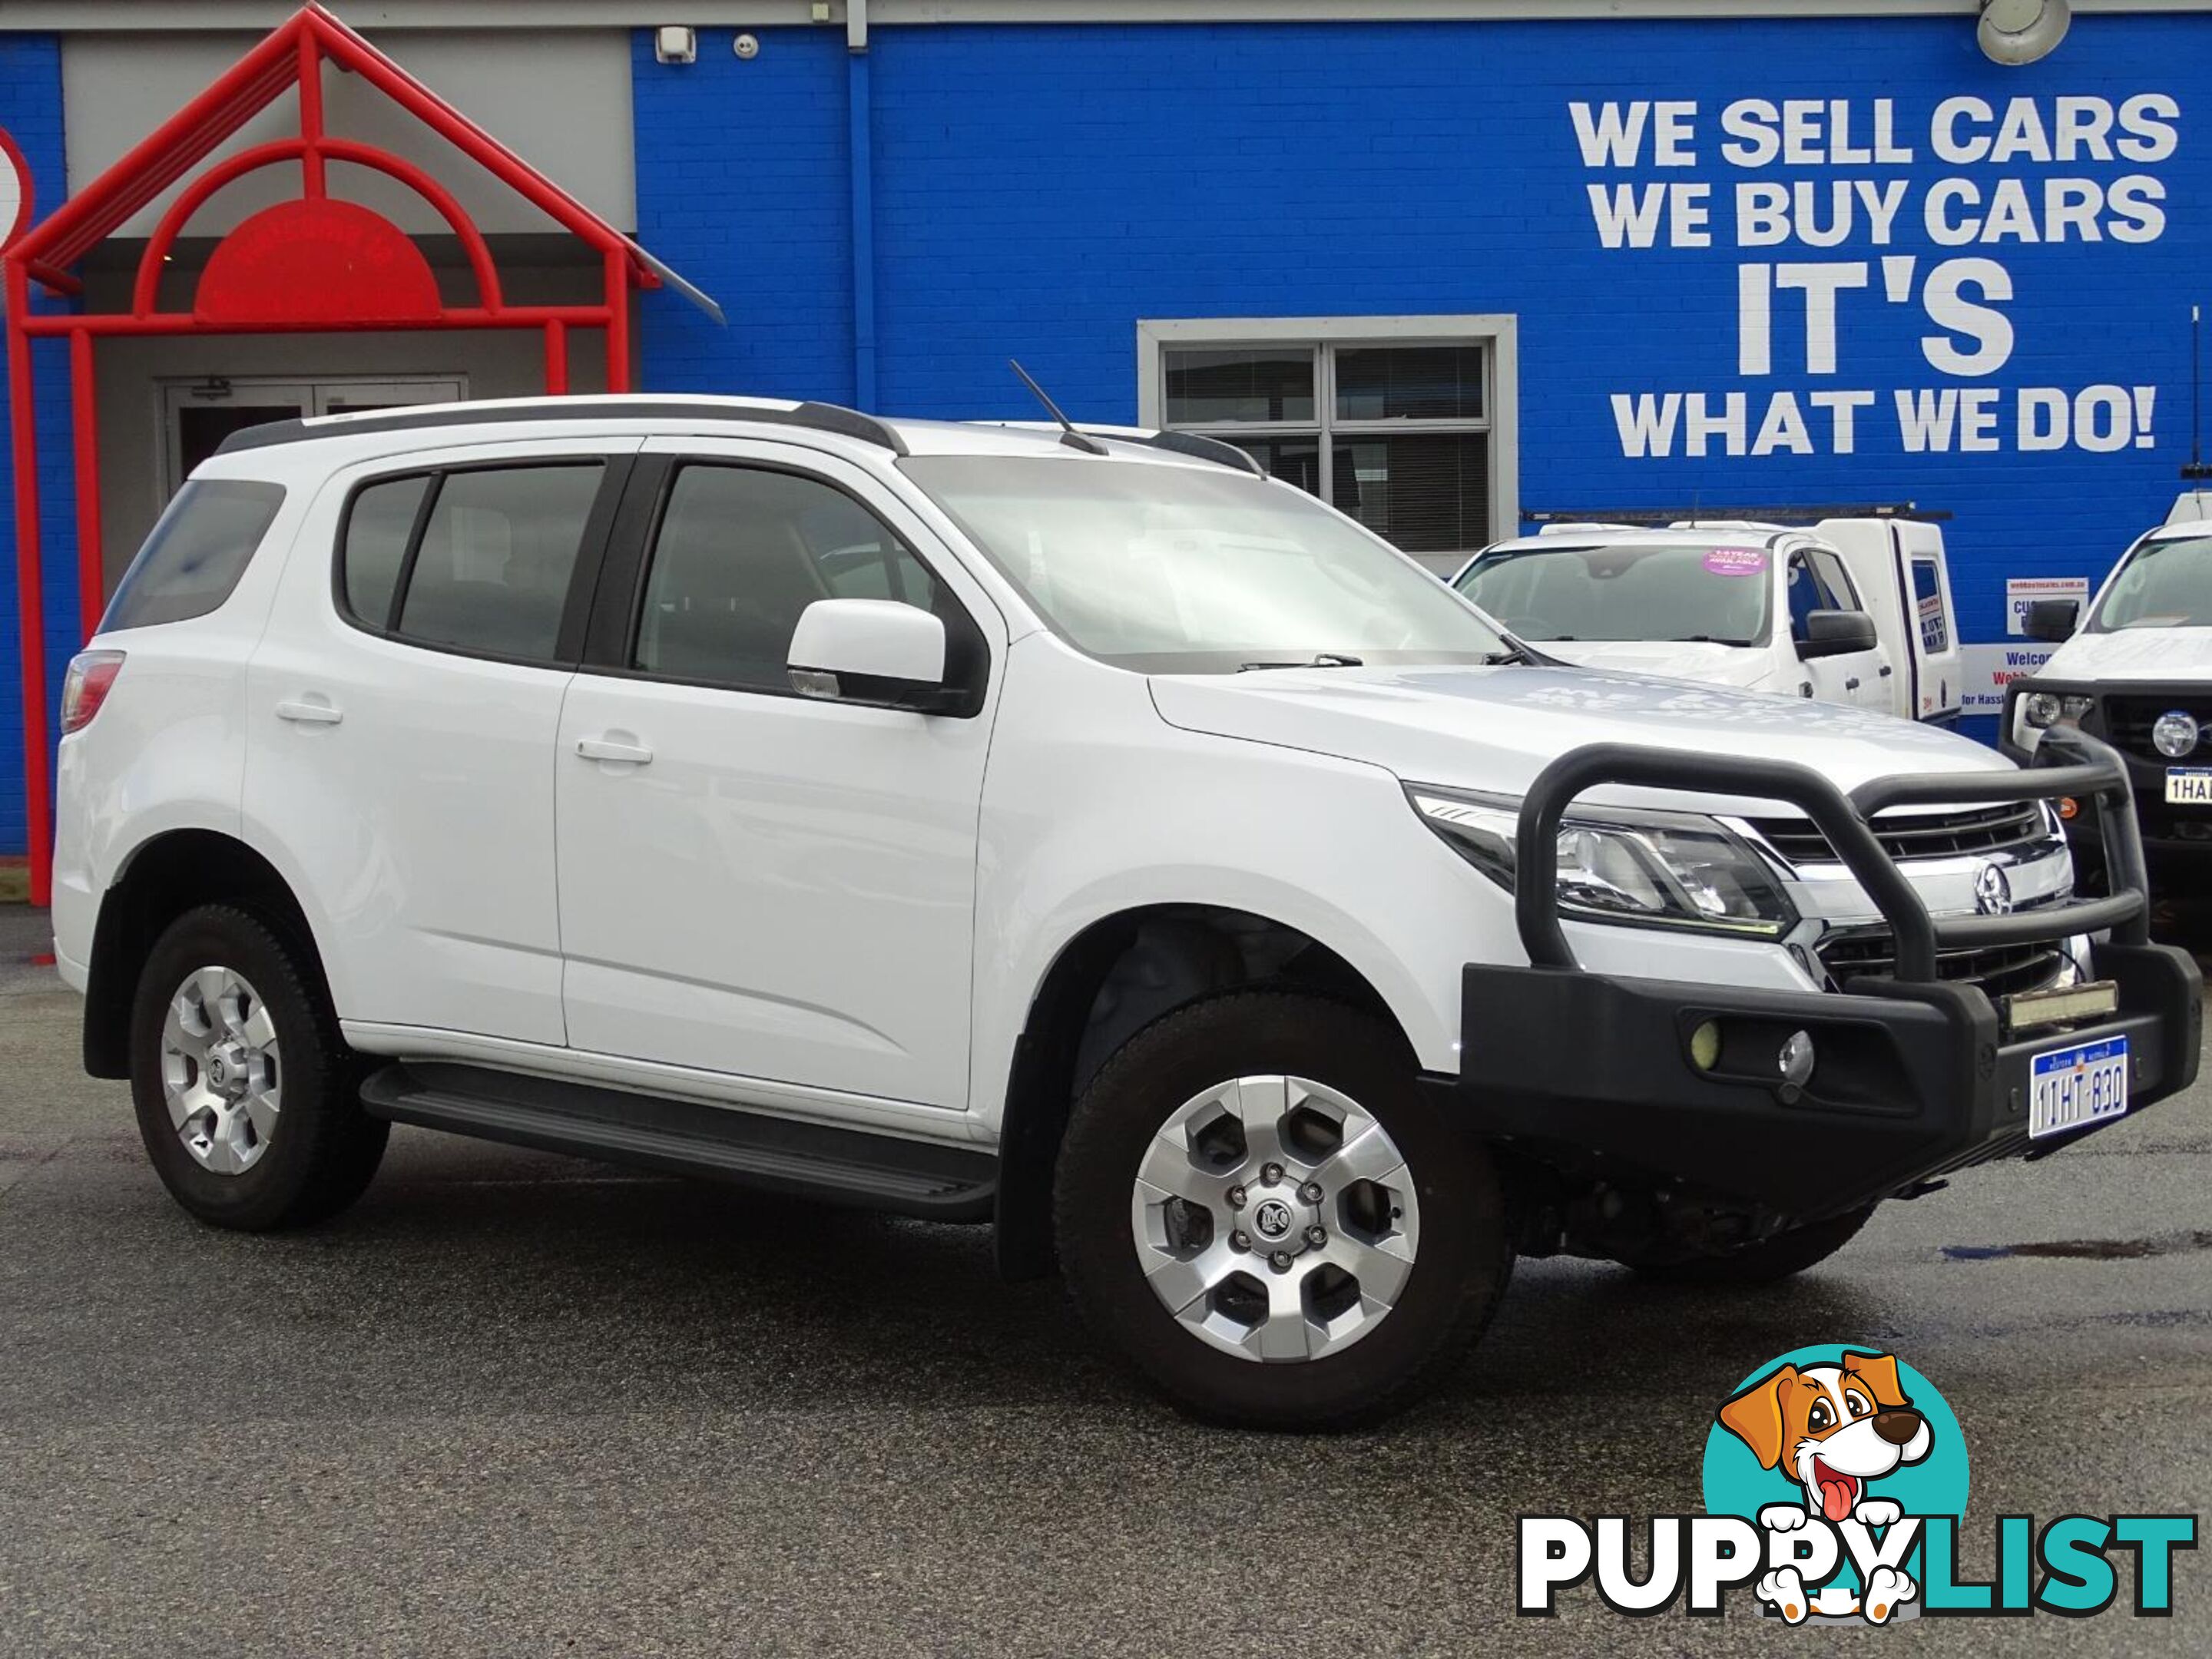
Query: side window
1835	582
1805	595
195	556
491	571
1927	603
741	552
377	528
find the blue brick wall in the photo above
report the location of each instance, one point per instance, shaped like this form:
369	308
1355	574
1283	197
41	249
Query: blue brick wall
31	110
1039	189
743	184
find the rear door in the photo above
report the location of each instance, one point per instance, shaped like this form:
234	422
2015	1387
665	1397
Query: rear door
402	711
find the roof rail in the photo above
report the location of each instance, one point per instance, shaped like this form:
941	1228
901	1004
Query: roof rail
1677	517
1205	449
1222	453
817	417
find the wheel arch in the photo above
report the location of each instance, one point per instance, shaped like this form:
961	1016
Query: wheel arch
161	879
1118	974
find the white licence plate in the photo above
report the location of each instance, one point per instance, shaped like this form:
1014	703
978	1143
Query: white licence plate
2189	786
2069	1087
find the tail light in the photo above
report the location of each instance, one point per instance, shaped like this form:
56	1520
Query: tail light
91	676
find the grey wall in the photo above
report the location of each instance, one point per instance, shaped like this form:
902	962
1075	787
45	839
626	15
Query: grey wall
561	99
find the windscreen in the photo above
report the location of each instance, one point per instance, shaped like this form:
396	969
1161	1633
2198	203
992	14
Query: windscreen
1176	569
1583	591
2167	584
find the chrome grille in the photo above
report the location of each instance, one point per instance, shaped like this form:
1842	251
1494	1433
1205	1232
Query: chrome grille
1919	836
1999	970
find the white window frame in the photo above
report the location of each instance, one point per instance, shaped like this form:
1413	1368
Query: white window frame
1498	333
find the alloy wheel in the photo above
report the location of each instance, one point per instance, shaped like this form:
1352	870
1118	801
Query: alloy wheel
1275	1219
220	1071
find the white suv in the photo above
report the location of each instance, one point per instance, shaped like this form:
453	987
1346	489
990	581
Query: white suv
1074	830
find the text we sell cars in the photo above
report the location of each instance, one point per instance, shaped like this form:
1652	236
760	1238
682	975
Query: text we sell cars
1834	278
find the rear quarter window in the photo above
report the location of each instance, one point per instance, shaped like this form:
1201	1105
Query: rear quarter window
194	558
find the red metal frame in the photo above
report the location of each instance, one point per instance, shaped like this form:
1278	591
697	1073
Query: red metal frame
293	56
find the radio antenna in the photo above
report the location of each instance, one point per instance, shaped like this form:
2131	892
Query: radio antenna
1068	434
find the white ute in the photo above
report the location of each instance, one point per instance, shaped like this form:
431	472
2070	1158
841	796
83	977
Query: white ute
1853	609
1079	833
2135	670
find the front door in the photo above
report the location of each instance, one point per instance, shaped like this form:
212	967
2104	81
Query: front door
752	882
1818	581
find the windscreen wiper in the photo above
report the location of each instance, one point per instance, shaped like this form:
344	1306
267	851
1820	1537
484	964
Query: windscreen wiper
1319	659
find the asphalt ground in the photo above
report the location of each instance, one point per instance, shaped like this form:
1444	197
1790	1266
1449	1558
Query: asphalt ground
517	1404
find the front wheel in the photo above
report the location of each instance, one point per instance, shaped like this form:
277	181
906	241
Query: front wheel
247	1097
1258	1205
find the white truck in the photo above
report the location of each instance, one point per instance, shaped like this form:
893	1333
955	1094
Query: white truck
1079	833
2135	670
1853	610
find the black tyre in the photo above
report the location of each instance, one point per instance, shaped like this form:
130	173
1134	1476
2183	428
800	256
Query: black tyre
1769	1261
1260	1209
247	1099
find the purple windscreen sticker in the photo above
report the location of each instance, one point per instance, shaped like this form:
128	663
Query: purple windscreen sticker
1737	561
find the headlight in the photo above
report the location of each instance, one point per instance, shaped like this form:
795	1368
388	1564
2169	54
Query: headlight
1659	869
2046	709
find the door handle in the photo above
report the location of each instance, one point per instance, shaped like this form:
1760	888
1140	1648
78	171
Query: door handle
308	711
606	749
1887	671
1852	683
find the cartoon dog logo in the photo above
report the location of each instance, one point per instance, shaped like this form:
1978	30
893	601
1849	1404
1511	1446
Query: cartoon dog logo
1834	1428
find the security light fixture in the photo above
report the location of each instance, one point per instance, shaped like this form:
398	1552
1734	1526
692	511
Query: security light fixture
2022	31
672	43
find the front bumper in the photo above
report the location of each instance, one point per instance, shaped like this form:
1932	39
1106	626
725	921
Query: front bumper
1593	1075
1909	1082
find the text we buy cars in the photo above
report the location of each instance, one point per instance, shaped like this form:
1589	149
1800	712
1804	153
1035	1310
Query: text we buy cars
1826	260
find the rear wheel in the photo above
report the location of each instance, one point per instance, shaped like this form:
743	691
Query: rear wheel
1258	1205
1768	1261
247	1099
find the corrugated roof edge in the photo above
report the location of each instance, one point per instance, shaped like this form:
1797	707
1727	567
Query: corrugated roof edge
818	417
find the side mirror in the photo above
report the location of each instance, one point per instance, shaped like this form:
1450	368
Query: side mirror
2052	620
870	651
1835	633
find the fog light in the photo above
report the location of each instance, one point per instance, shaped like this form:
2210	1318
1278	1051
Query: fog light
2043	709
2174	733
1795	1059
1705	1046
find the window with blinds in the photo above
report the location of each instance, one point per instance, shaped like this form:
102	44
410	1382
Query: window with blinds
1397	435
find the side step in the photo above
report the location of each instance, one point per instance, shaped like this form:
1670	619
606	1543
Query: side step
930	1179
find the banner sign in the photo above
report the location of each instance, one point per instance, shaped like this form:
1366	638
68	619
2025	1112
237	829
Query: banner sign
1988	669
2020	592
